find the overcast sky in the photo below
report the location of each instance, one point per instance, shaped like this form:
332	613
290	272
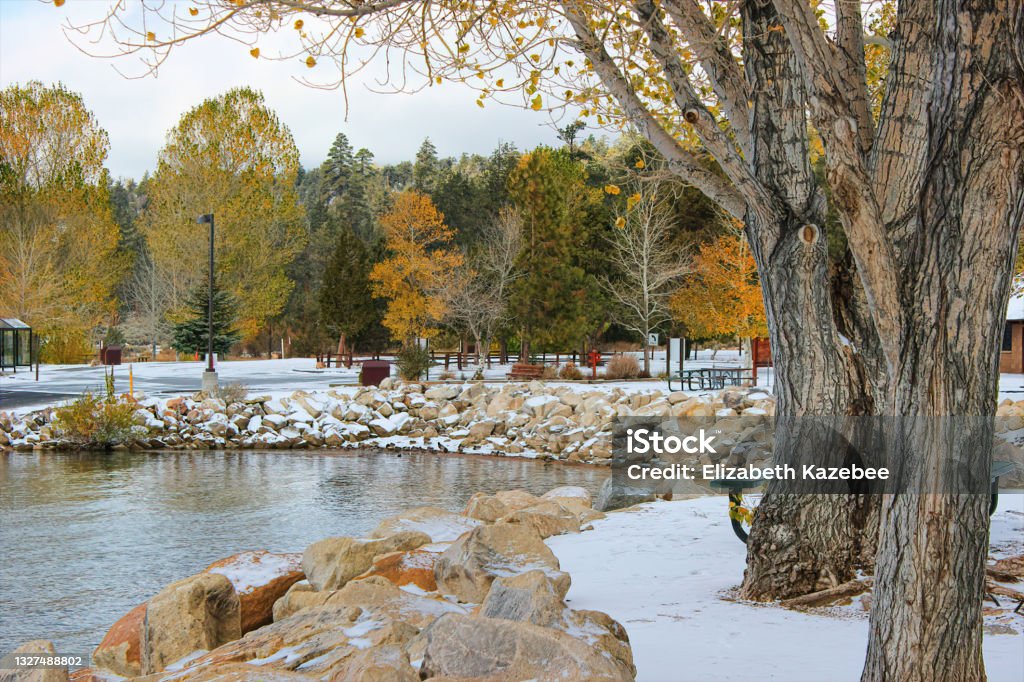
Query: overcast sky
138	113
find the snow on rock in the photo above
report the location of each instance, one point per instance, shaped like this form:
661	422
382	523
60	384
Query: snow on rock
534	419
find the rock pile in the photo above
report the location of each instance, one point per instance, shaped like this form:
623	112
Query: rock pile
527	419
411	602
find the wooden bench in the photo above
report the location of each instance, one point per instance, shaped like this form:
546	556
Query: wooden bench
524	370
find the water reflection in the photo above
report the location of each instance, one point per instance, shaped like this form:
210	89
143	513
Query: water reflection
86	537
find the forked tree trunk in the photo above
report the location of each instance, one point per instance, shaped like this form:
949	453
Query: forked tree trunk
801	543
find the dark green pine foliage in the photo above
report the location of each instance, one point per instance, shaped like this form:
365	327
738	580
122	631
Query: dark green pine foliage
555	299
190	335
347	307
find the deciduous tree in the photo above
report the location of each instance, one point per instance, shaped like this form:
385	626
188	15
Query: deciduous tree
419	265
59	258
232	157
722	295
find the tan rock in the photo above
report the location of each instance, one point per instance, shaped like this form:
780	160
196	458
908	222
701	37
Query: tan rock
329	564
573	494
387	663
470	565
200	612
546	518
120	651
414	567
517	499
531	597
299	596
486	508
260	578
319	642
440	525
464	647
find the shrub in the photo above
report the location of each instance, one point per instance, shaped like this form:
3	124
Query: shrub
232	393
570	372
412	362
622	367
94	422
549	372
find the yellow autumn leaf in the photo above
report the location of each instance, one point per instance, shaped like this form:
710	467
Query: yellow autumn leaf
359	32
536	103
620	222
500	82
310	61
255	52
191	10
639	163
480	103
612	189
58	3
632	201
298	24
463	48
151	36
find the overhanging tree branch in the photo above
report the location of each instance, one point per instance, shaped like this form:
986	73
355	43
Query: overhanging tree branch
681	161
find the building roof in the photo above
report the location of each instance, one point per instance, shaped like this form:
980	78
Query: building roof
12	323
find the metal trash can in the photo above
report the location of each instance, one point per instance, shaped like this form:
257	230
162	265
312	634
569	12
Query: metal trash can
110	355
374	372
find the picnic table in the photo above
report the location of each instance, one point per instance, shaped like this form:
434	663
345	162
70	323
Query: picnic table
711	378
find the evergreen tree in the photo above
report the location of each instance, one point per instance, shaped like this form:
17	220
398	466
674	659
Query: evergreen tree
347	307
191	334
554	301
337	169
426	169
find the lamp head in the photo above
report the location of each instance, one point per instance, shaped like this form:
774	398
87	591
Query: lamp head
207	218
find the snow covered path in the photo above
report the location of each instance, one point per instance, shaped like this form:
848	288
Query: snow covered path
662	570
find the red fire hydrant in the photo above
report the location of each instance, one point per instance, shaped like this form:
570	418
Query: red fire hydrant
594	358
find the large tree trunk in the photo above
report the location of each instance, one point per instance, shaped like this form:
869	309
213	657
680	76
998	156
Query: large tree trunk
930	571
801	543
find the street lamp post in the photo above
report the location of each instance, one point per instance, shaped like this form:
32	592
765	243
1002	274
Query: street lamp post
210	375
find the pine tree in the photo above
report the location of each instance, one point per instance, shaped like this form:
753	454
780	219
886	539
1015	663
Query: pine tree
347	307
426	169
337	169
554	300
191	334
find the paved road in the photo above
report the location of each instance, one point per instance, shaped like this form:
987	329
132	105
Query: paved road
164	379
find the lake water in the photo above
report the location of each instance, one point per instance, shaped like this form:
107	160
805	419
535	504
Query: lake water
86	537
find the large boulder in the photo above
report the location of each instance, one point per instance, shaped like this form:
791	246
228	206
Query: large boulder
120	651
386	663
486	508
465	647
330	563
515	500
200	612
467	568
531	597
569	495
299	596
414	567
318	642
36	646
547	518
440	525
260	578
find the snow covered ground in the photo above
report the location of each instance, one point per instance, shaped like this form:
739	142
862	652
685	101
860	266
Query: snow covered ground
58	383
666	571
